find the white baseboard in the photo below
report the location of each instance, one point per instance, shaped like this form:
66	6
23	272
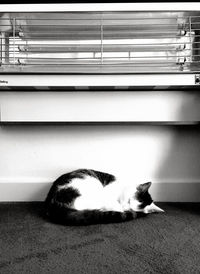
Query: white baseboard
37	191
23	192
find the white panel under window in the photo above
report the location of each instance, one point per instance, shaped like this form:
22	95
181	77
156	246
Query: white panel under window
178	107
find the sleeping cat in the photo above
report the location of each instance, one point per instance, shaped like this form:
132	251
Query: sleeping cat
87	196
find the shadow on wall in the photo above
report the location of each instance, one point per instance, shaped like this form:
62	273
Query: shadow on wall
180	168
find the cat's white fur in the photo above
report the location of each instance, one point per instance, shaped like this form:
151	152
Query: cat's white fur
114	197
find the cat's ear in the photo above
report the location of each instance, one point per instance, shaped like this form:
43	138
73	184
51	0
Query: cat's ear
152	208
144	187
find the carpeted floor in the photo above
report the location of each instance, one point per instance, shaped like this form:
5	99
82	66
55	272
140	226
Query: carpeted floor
160	243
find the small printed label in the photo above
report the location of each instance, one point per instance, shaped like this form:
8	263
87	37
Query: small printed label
3	82
197	79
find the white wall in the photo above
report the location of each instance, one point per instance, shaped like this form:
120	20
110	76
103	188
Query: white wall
32	156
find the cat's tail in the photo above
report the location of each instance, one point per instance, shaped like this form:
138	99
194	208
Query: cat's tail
68	216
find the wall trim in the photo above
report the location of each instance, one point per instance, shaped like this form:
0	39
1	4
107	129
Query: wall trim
30	191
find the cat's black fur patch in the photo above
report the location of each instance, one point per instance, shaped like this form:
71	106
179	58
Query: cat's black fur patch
61	195
66	196
145	199
104	178
143	196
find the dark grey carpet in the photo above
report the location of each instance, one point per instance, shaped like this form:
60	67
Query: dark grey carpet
160	243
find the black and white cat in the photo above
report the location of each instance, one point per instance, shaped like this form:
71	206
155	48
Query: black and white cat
87	196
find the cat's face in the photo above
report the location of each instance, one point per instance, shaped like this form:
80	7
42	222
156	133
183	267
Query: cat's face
143	202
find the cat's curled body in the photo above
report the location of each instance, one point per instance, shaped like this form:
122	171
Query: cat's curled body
87	196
